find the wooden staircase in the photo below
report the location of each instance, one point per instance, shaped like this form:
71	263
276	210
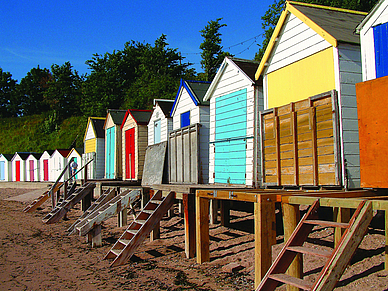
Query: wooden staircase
337	260
41	199
138	230
107	210
104	197
62	207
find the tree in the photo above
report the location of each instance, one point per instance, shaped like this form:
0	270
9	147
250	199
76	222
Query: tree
64	91
212	53
31	91
9	103
272	15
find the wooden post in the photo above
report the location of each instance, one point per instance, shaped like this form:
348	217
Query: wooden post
291	217
145	197
94	236
122	217
265	230
213	211
386	240
225	212
181	209
85	174
190	224
155	233
340	215
202	222
87	201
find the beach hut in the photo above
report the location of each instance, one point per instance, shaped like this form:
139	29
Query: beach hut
373	31
94	147
160	124
32	167
76	154
19	166
113	159
189	140
134	142
312	51
44	173
57	163
234	105
6	167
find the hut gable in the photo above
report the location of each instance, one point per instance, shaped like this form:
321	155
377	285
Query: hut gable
313	50
188	101
114	119
6	167
19	166
373	31
95	128
160	124
134	142
232	122
32	167
44	165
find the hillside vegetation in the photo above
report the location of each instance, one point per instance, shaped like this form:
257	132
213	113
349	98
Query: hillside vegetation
38	133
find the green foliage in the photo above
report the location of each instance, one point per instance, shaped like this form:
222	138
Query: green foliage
9	106
212	53
31	91
272	15
25	134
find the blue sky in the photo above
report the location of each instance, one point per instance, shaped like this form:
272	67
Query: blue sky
52	32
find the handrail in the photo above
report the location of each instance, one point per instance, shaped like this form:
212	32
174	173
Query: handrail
56	182
60	176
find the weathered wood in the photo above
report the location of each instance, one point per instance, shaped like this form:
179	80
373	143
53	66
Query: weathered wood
137	231
108	210
202	229
291	218
225	212
341	215
265	233
190	224
333	270
94	237
213	211
122	217
41	199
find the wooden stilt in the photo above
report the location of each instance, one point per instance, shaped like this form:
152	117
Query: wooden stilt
213	211
386	240
94	236
291	218
340	215
190	224
181	209
225	212
265	230
122	217
86	201
155	233
202	221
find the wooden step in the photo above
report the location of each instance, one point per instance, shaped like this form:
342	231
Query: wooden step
124	241
133	231
156	201
299	283
116	252
140	221
148	211
327	223
310	251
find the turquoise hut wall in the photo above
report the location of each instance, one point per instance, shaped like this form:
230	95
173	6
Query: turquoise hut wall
234	103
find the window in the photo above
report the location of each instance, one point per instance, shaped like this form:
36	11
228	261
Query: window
185	119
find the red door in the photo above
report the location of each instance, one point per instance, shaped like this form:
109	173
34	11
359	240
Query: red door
32	178
17	166
130	153
45	170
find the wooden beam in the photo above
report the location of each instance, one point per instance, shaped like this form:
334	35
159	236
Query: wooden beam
313	127
213	211
265	230
340	214
95	237
276	125
294	134
225	212
190	224
291	218
202	222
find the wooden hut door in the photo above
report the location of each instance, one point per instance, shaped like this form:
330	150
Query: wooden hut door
32	178
45	170
17	168
380	33
130	153
2	170
157	131
110	152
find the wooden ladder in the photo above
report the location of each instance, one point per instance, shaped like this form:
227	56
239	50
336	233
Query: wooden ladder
106	211
337	260
104	197
41	199
138	230
64	206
